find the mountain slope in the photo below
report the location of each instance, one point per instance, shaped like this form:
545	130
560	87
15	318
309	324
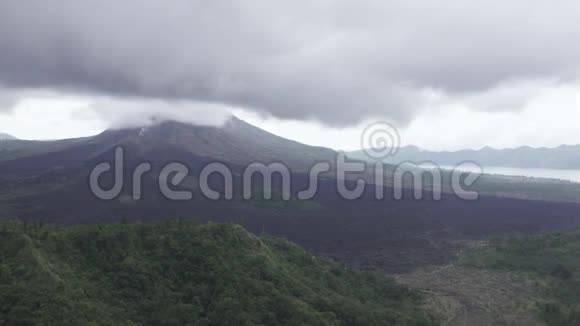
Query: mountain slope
15	149
551	259
179	273
4	136
240	143
562	157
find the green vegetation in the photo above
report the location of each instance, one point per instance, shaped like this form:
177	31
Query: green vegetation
552	259
182	273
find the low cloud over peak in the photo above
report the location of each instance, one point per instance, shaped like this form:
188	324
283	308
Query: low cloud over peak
338	62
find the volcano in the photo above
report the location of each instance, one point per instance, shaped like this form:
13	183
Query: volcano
236	142
49	181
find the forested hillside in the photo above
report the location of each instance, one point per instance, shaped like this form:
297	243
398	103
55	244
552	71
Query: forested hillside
550	259
178	272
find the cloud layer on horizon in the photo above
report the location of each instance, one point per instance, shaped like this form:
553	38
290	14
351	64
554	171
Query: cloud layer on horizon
338	62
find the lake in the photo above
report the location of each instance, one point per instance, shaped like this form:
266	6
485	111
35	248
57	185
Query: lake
562	174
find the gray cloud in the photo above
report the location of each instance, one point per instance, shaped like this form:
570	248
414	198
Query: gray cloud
334	61
7	102
117	113
10	98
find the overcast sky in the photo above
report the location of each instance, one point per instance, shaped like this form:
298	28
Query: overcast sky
449	74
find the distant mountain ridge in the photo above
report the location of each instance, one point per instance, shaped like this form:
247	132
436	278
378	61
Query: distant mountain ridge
562	157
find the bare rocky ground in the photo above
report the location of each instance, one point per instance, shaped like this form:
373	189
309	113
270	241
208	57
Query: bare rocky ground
466	296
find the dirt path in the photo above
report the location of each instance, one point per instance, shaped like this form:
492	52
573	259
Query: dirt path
465	296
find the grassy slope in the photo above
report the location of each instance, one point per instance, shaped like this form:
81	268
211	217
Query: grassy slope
551	259
178	273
